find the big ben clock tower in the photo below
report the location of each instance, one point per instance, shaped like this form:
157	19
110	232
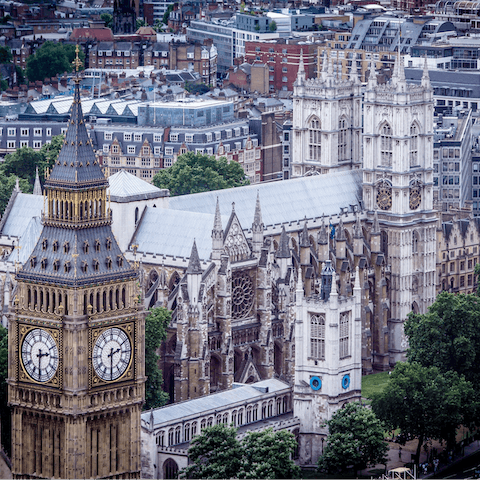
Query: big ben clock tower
76	334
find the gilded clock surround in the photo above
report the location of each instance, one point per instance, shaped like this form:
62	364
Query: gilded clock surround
23	376
94	379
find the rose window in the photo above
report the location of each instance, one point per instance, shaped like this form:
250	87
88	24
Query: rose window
242	295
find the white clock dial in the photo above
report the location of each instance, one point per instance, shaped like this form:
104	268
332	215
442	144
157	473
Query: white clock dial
111	354
40	355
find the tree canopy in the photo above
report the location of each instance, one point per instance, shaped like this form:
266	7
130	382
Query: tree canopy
50	60
215	453
194	173
268	454
424	402
107	19
5	413
7	184
355	440
156	324
448	335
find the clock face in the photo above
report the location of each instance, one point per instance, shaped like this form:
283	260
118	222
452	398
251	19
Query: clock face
415	198
40	355
384	198
111	354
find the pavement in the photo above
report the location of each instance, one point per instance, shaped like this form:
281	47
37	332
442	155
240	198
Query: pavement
400	455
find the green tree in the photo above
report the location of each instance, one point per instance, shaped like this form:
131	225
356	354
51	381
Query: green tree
167	13
156	324
268	454
7	184
273	26
355	440
5	55
424	402
5	413
107	19
194	173
51	59
216	453
141	23
24	161
448	335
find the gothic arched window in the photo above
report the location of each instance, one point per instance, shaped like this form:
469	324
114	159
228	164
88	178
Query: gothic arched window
342	140
386	153
314	144
414	146
344	334
317	336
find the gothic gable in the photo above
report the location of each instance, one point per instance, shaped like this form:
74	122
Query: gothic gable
235	243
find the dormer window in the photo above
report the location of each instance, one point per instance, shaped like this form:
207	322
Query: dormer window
66	267
55	245
33	262
108	243
108	262
66	247
97	245
56	265
96	265
85	246
120	260
84	266
44	244
44	263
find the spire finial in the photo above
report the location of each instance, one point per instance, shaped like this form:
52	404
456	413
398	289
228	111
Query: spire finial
257	218
301	77
425	76
372	77
283	248
77	63
37	188
217	224
194	263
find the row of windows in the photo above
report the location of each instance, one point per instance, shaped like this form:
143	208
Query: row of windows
24	143
239	417
25	132
470	264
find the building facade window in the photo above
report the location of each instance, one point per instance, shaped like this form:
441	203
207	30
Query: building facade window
413	146
344	334
386	153
315	140
317	336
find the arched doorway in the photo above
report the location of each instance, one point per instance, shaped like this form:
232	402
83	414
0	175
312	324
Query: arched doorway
170	469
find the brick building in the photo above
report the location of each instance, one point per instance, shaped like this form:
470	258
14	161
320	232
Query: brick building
117	55
282	59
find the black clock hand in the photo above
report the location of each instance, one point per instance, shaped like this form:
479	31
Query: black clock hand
111	354
40	355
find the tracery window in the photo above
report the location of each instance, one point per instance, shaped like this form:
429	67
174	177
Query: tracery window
315	140
414	146
386	152
242	294
317	336
344	334
342	140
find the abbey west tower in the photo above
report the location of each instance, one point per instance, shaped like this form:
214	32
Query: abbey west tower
76	335
397	183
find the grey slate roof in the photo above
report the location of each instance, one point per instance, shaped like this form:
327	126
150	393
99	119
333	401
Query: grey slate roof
125	187
76	166
171	232
27	241
281	202
197	406
24	208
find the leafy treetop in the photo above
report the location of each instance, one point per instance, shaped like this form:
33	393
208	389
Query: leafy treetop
356	439
194	173
156	324
448	335
50	60
424	402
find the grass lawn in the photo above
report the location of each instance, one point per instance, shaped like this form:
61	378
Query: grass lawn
374	383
